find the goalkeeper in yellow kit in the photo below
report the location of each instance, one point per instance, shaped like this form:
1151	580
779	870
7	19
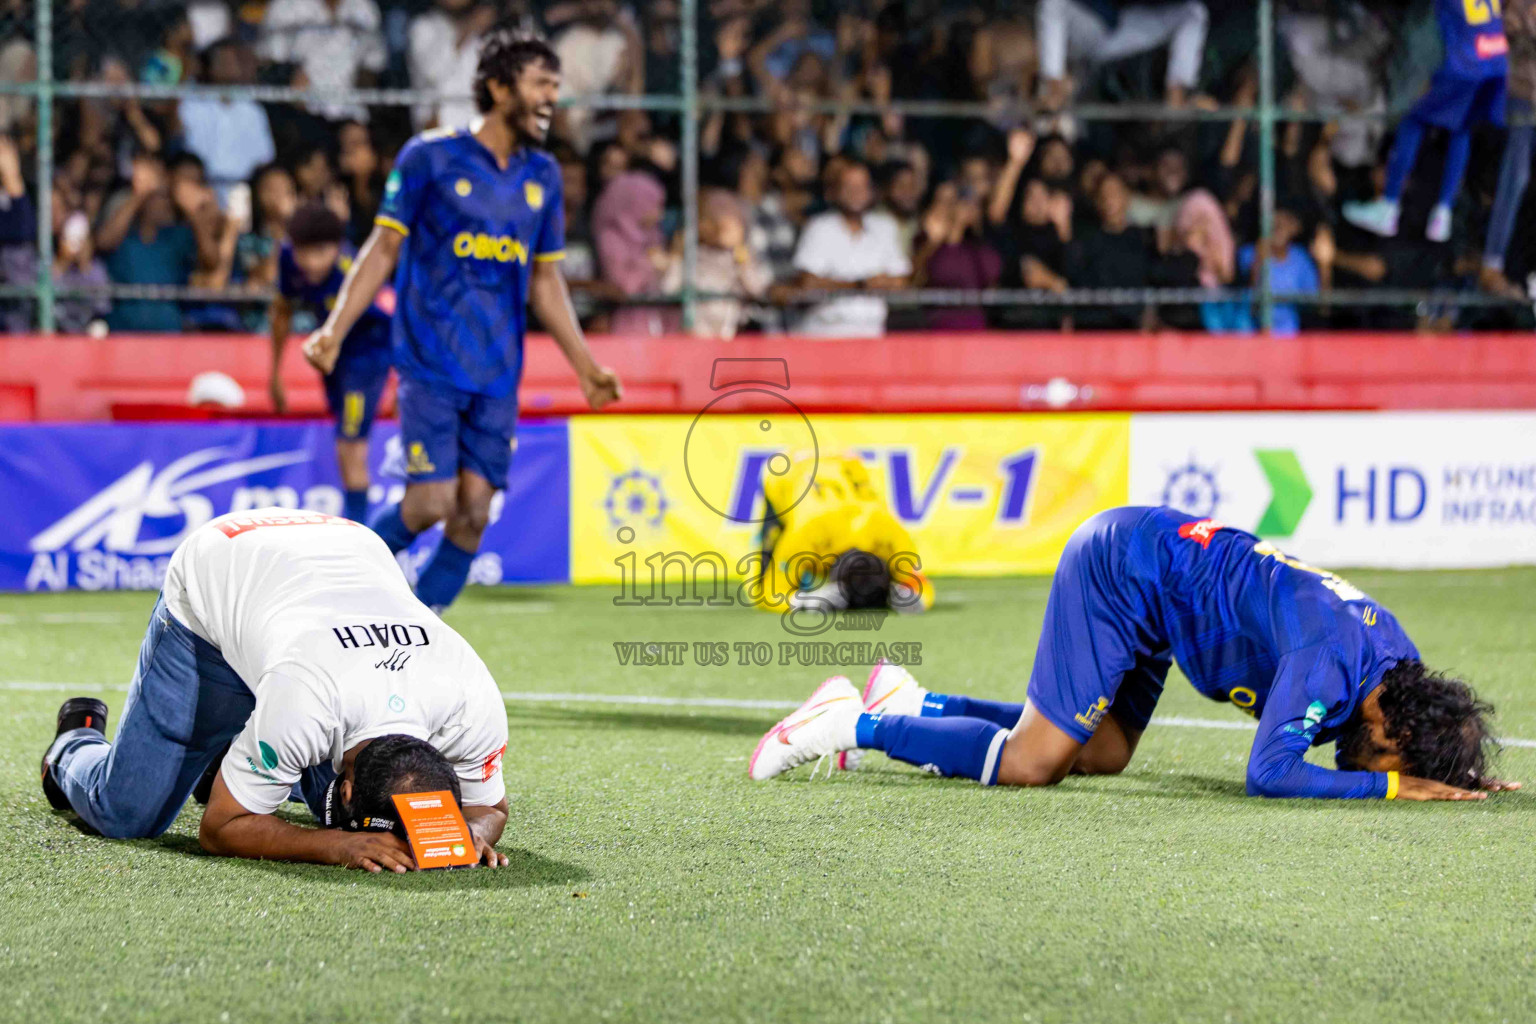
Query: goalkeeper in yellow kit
830	541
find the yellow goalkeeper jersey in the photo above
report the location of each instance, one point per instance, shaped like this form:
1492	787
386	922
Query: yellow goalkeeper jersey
838	510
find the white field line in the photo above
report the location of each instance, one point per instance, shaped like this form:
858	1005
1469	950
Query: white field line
527	697
68	618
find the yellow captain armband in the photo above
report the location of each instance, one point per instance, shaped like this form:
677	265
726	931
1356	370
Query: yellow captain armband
1391	785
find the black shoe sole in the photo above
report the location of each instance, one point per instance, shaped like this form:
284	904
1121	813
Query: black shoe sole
82	713
75	713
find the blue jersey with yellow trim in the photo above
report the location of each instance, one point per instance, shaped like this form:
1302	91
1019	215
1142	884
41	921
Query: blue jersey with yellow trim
1295	646
1472	32
369	338
472	229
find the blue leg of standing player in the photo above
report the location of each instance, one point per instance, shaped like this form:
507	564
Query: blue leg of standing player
1405	150
1456	157
445	575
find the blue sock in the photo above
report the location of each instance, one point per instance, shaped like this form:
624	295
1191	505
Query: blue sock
444	576
354	505
949	705
388	524
1455	167
951	746
1405	150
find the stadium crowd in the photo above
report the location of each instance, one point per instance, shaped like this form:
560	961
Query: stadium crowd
798	202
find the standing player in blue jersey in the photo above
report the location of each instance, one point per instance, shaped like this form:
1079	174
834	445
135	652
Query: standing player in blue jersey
472	226
311	266
1311	657
1467	90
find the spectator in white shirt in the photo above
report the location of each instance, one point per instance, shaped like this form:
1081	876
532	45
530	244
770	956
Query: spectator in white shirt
444	51
337	44
231	136
850	247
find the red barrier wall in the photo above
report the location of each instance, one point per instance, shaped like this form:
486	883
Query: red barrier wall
146	376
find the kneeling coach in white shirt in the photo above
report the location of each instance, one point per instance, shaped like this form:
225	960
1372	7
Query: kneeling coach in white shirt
292	639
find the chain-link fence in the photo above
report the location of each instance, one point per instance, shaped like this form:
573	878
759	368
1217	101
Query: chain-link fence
1066	164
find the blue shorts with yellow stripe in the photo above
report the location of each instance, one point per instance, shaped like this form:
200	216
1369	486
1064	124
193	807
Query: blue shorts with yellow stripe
352	393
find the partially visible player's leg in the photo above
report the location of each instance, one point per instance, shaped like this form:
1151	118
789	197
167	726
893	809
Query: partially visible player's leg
352	391
485	441
445	575
1109	749
429	429
184	706
352	461
892	690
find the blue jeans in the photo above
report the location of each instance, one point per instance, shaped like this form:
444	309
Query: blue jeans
184	707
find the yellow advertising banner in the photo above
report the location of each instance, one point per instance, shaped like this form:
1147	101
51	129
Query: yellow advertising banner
982	494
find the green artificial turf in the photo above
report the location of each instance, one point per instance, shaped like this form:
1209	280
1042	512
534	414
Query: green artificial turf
650	880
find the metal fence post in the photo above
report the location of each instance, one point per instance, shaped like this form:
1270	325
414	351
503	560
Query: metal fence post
690	155
1266	158
44	203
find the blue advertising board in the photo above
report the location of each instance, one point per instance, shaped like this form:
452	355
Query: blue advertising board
102	506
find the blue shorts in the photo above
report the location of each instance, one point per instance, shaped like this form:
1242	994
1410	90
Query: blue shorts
1100	651
443	431
1457	103
352	393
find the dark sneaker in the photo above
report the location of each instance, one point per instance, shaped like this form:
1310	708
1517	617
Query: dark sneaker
75	713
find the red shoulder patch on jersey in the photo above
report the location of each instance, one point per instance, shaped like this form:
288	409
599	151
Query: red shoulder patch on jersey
234	526
492	764
1201	531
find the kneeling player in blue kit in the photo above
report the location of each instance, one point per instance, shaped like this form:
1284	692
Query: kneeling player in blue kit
1311	657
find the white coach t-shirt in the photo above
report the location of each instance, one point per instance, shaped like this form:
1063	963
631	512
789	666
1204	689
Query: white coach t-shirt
316	617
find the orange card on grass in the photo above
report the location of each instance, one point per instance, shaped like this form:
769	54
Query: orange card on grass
437	832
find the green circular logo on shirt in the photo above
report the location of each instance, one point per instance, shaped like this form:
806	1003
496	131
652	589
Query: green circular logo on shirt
392	183
268	755
396	703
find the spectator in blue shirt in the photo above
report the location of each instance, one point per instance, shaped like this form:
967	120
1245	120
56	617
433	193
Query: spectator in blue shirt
232	136
1290	270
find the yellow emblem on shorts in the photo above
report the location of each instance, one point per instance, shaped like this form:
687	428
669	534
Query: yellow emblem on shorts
417	461
1090	719
461	186
534	193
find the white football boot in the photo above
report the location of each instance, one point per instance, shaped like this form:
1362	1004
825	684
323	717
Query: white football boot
1439	227
824	726
1379	216
891	690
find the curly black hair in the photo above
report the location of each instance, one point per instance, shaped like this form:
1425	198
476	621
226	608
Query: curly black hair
397	763
503	56
1440	727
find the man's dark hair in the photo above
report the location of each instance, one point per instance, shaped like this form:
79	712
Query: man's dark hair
186	158
315	224
503	57
1439	725
865	579
393	764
